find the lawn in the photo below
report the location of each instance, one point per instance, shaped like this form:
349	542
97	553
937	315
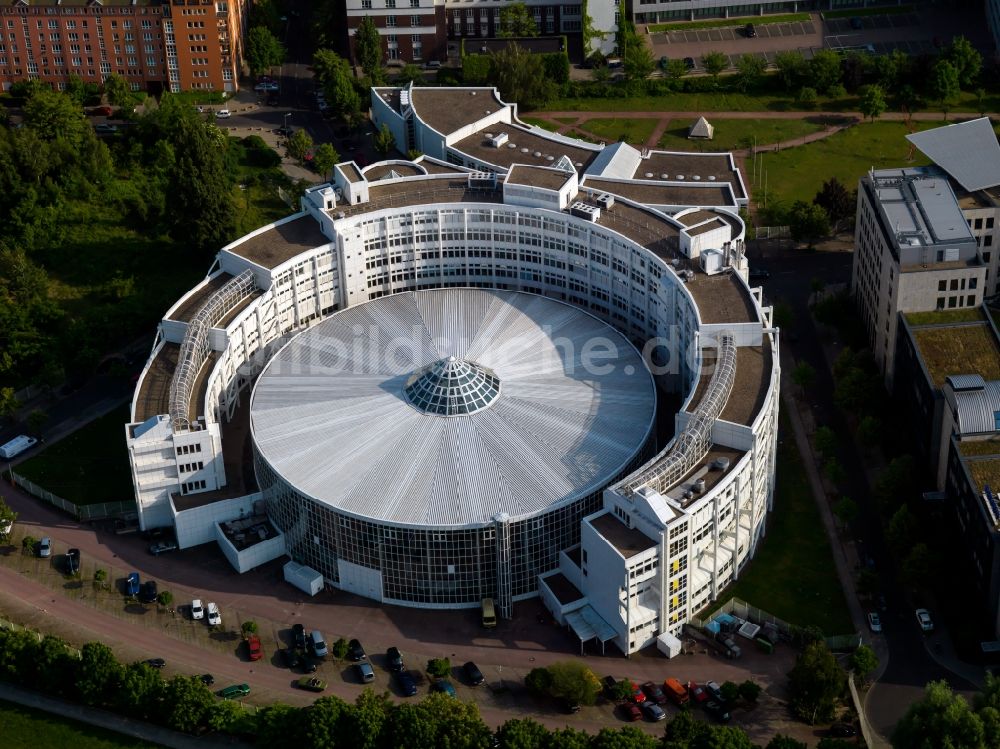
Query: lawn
945	316
633	131
957	350
793	576
89	466
798	173
24	727
731	135
728	22
538	122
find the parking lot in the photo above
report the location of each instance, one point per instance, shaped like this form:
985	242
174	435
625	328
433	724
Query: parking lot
764	31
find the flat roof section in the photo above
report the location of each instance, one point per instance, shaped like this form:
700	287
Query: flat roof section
520	148
450	109
562	588
420	192
533	176
154	390
664	194
433	168
628	541
696	217
958	349
350	171
984	471
715	223
722	298
196	408
278	244
382	171
190	307
390	95
691	165
753	375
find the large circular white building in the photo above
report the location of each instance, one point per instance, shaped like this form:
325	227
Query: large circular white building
272	419
403	431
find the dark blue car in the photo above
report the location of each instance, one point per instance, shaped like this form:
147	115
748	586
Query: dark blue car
132	584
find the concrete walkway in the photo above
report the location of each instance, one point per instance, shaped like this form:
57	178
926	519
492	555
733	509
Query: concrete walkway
112	722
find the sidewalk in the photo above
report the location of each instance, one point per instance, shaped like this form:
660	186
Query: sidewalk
112	722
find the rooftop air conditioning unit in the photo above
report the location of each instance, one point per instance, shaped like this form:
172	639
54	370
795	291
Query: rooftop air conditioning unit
711	262
699	486
498	140
585	210
605	200
721	464
483	179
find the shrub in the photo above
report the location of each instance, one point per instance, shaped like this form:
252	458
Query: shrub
439	667
538	681
249	627
165	598
730	691
340	648
749	690
28	544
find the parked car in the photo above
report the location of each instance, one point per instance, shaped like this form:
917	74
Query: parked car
394	659
715	692
609	683
364	672
253	645
652	711
630	711
308	664
569	706
223	114
286	132
749	31
311	683
103	128
272	100
162	547
759	274
214	617
235	691
207	679
689	62
697	692
843	731
717	710
155	662
407	684
299	636
874	622
45	547
132	584
638	696
148	592
102	111
355	651
473	674
72	561
317	644
291	657
433	65
924	620
654	693
197	610
445	686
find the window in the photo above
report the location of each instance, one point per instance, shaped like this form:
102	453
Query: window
390	3
942	285
973	283
970	300
390	22
979	223
988	241
415	21
989	222
366	4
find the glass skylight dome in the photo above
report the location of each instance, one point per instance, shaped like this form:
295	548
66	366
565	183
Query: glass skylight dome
452	387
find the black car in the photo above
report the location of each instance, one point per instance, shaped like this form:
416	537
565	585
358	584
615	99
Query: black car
473	674
843	730
308	665
355	651
72	561
285	131
609	683
717	710
568	706
759	274
148	592
750	31
272	100
207	679
156	662
689	61
292	657
715	692
299	636
407	685
393	659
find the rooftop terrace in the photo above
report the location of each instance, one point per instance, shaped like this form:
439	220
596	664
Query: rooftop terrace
722	298
562	588
628	541
450	109
534	176
281	243
961	348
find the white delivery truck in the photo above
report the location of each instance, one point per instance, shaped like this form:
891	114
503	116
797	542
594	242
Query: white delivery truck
17	446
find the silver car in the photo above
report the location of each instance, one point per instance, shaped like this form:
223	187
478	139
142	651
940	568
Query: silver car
45	547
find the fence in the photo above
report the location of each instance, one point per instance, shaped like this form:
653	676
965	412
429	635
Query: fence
867	733
743	610
80	512
773	232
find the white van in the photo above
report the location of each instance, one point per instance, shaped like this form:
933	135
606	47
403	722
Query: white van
317	643
17	446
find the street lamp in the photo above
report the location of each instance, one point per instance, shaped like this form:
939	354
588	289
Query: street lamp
285	128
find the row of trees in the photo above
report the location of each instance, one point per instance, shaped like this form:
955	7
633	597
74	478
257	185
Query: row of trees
945	719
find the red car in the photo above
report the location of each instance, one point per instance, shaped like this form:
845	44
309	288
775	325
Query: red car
698	693
256	652
638	696
631	711
103	111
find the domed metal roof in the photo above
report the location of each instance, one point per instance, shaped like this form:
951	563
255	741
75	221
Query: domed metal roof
452	387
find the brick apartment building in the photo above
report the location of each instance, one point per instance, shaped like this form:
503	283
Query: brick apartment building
154	45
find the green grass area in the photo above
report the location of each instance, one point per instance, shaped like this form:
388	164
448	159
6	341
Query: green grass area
888	10
634	131
959	349
723	23
792	575
944	316
538	122
566	120
89	466
738	134
201	97
798	173
25	728
979	447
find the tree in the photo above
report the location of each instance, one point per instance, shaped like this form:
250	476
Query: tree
941	719
944	85
750	690
476	69
516	20
36	420
520	77
846	510
808	222
326	722
52	115
411	73
262	50
815	683
165	598
573	682
793	69
730	691
28	544
325	158
714	63
340	648
277	725
140	692
384	140
966	60
365	721
627	737
9	404
520	733
409	725
622	690
249	627
896	482
803	375
785	742
186	703
834	471
334	75
826	441
538	681
836	200
439	667
54	667
863	662
917	566
903	530
638	61
869	431
675	70
872	101
299	145
99	675
100	578
807	97
568	738
749	68
824	70
368	45
116	90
